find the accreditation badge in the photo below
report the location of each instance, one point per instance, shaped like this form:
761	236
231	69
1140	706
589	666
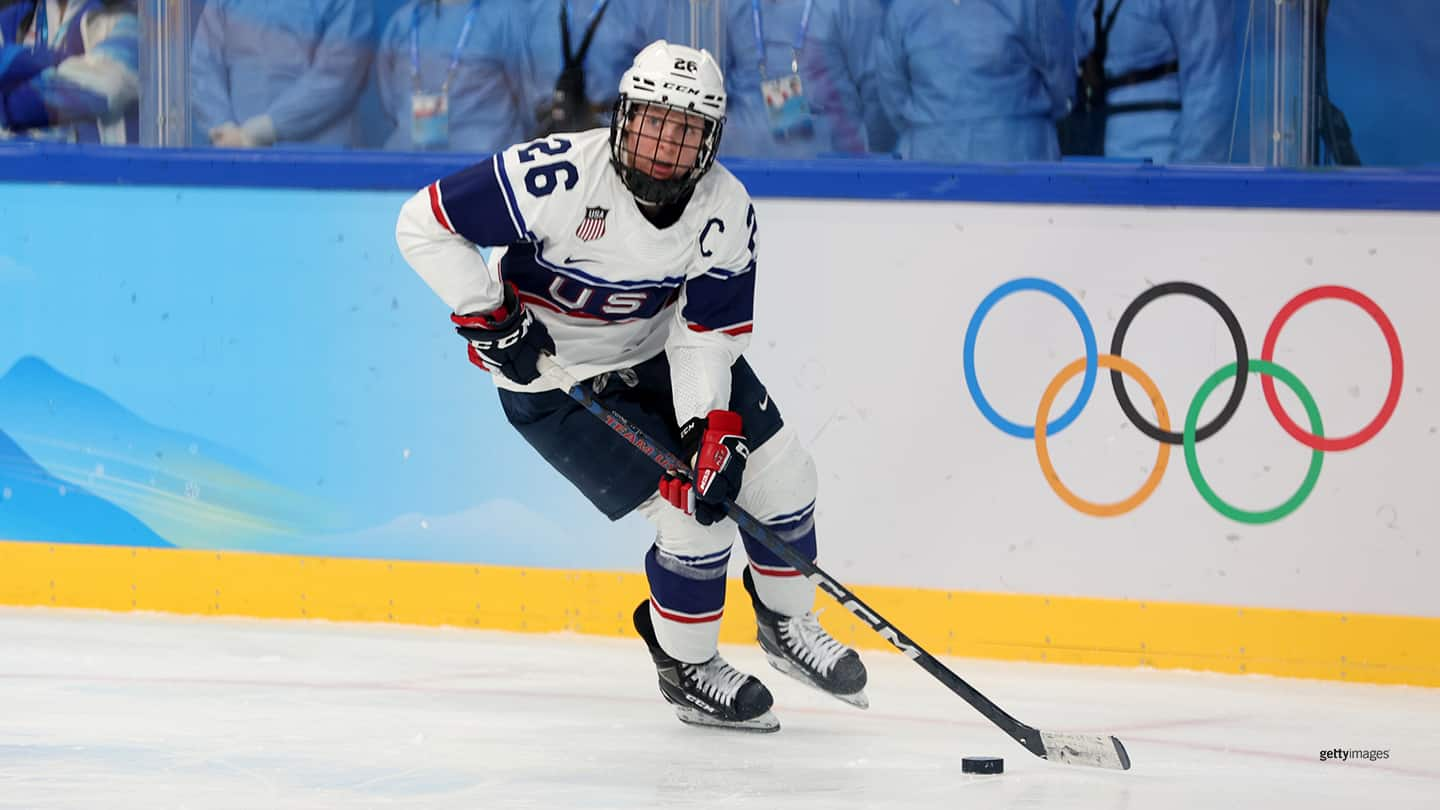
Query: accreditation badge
430	120
789	110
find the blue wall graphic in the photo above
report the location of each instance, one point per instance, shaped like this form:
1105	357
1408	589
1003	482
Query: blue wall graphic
260	370
188	490
35	505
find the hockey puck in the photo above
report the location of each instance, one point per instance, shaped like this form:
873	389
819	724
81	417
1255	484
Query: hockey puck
982	765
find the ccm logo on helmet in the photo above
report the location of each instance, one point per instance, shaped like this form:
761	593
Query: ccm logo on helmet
686	65
680	88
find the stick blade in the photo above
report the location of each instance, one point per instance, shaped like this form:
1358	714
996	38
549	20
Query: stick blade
1091	750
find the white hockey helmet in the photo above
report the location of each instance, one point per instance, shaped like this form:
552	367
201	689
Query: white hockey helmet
677	78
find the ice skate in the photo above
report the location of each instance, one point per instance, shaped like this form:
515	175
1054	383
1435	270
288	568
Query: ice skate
799	647
710	694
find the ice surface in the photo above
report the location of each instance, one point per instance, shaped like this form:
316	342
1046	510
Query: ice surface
112	711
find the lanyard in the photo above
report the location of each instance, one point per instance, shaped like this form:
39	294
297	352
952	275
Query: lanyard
454	57
594	10
795	49
574	58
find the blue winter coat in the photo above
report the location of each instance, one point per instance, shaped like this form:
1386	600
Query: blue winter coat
301	63
487	104
1200	35
626	28
835	72
975	80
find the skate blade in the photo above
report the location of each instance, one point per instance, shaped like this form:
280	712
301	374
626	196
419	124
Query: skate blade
858	699
764	724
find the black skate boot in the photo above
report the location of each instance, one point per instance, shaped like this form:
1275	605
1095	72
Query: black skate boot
799	647
709	694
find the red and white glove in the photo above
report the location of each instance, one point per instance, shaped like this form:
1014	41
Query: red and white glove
506	339
718	451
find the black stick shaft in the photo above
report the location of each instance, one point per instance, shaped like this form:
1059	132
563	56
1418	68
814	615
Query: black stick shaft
1023	734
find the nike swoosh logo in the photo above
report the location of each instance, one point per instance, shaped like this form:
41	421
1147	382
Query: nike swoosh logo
573	260
765	403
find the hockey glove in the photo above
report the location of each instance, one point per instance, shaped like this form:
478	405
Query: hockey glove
717	449
507	339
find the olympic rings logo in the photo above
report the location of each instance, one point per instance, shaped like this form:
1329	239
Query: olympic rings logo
1191	433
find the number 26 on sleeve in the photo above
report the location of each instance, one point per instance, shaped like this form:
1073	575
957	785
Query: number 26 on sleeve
542	180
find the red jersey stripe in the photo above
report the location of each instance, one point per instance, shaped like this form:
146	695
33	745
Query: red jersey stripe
438	208
742	329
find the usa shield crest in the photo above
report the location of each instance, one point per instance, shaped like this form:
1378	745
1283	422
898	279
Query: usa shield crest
593	225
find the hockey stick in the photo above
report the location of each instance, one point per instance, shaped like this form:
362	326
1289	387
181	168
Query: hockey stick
1074	749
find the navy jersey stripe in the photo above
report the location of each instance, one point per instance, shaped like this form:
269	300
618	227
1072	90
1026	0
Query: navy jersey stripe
510	202
478	202
561	293
720	304
722	273
579	275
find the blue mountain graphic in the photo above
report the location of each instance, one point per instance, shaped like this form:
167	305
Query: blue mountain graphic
35	505
37	400
190	491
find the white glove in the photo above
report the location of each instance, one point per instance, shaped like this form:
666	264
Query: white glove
231	136
253	134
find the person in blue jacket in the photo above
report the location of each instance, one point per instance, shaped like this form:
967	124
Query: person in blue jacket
1163	85
975	80
810	89
567	97
69	71
451	75
267	72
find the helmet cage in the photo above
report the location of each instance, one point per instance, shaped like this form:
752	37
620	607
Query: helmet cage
647	188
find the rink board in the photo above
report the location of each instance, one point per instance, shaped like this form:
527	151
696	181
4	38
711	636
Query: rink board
305	394
271	390
1108	632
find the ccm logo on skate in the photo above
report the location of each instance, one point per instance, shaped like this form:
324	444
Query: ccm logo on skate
1192	432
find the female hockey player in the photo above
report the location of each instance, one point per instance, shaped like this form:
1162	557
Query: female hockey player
630	257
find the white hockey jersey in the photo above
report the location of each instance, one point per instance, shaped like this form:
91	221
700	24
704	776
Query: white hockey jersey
613	289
